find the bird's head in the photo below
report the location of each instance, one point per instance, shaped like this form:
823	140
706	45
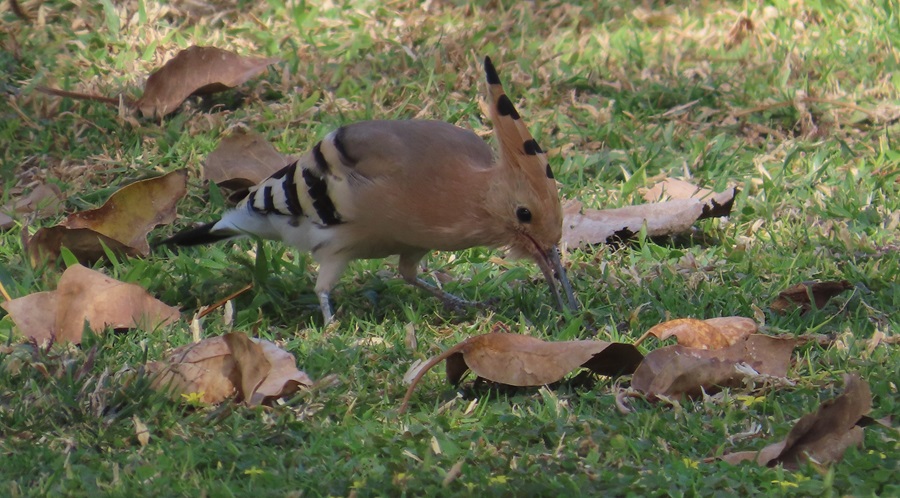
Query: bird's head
524	196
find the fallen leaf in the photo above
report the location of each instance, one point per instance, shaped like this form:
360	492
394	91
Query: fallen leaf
798	296
122	223
715	203
249	361
196	71
713	333
520	360
130	213
205	367
678	370
283	378
742	28
453	474
44	200
216	368
85	244
608	226
821	437
141	431
242	160
84	295
34	315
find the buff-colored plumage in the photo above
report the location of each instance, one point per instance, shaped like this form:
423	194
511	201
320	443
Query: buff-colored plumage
379	188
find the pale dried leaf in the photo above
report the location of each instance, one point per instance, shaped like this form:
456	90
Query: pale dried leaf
414	368
715	203
590	226
713	333
141	431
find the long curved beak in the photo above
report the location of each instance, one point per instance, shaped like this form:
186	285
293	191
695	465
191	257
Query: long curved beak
553	271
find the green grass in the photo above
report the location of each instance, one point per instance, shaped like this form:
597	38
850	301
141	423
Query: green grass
820	197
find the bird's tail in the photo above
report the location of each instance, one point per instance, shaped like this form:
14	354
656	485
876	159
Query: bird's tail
204	234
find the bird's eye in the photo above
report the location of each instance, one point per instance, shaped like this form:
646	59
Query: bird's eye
523	214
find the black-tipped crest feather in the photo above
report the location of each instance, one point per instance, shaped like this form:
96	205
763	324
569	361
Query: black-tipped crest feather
491	72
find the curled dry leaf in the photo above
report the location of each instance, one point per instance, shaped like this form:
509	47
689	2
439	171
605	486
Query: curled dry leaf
798	296
84	295
196	71
714	333
44	200
218	367
283	378
122	223
678	370
520	360
242	160
591	226
821	437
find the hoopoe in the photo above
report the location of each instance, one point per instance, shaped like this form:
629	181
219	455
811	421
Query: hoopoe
379	188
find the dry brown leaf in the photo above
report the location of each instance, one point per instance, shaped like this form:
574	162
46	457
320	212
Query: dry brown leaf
84	295
608	226
34	314
205	367
799	295
714	333
242	160
85	244
44	200
218	367
122	223
742	28
821	437
677	370
520	360
196	71
130	213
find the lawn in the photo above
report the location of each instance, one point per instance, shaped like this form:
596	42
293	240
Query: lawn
795	103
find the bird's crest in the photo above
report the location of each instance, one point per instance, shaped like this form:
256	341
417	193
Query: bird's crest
517	147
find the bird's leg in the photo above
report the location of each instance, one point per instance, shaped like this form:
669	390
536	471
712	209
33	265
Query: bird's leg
329	274
325	306
409	270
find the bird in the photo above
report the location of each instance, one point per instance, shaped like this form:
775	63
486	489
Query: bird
374	189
